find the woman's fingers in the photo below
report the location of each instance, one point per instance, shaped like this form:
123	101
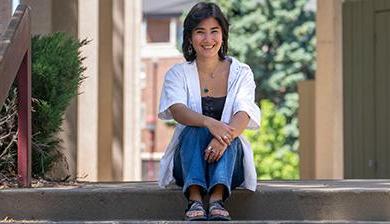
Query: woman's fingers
218	156
227	139
211	154
222	141
214	157
229	133
208	152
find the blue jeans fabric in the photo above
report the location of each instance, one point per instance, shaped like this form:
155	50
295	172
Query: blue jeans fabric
190	168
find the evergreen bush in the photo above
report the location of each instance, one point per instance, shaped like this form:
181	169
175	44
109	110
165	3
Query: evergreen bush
57	71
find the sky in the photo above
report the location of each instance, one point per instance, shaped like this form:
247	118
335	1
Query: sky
14	4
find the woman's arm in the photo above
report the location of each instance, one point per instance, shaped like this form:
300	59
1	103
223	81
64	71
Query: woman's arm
187	117
239	121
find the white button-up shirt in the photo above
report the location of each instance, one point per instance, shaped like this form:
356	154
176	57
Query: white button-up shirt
181	85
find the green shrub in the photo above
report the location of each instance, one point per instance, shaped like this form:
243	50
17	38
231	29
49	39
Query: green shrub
56	74
273	158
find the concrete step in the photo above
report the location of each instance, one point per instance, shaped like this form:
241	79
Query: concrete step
206	222
341	201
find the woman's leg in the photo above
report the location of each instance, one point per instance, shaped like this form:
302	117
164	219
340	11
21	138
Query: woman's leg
189	164
227	173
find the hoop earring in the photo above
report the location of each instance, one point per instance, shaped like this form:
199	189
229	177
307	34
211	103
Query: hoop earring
220	52
190	50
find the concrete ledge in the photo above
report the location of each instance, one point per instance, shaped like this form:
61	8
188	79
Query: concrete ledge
203	222
348	200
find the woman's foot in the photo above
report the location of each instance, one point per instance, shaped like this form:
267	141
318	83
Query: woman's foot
195	211
217	211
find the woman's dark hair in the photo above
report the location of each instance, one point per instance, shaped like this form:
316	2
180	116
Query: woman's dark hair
199	12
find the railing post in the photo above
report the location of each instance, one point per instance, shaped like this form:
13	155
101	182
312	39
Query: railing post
24	121
15	64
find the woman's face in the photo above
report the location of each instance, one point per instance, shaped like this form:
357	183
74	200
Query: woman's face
207	38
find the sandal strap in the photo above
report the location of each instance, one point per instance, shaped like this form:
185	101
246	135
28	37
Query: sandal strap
195	206
216	205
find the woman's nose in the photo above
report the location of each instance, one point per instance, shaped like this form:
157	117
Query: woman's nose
207	37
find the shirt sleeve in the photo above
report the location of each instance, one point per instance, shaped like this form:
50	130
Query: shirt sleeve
173	92
245	99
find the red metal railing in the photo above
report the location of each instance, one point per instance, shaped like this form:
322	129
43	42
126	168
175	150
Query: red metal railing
15	63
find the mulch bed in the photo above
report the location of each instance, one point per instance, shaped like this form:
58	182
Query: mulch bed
12	182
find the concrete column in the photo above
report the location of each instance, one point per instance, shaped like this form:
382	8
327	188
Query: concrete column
131	90
118	66
87	125
105	126
65	16
306	113
41	14
65	20
5	14
94	157
329	91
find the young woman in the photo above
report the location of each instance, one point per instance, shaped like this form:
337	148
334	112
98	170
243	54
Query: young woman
211	96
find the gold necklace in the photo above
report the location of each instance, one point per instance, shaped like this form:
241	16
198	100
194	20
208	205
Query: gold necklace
212	76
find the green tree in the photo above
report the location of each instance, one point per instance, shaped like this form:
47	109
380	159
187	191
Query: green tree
273	159
277	39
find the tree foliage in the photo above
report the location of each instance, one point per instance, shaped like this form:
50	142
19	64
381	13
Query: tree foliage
273	158
276	39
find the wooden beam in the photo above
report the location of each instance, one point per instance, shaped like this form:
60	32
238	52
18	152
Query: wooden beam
14	43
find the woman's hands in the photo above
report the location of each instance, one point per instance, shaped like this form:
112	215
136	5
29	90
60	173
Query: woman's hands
221	131
214	151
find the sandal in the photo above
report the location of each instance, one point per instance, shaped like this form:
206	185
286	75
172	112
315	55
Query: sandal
195	211
217	212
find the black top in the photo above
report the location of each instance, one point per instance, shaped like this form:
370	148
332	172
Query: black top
213	106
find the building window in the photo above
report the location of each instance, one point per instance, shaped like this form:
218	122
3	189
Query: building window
161	37
158	30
